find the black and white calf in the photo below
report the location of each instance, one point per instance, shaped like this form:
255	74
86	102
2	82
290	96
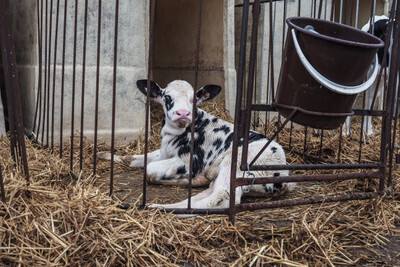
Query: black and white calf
169	165
380	26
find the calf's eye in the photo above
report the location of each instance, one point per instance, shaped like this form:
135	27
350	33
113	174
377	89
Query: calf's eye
168	102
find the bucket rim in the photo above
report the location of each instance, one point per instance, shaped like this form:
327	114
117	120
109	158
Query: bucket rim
379	43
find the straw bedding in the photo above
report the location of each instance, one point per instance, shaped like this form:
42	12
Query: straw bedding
71	220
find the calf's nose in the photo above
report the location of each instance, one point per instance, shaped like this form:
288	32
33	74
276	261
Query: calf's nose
183	113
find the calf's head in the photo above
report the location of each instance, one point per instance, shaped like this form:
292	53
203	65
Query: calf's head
177	99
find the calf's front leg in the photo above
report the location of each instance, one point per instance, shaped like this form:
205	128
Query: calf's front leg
133	161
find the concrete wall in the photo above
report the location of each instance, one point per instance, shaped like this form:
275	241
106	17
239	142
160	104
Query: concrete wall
175	38
174	50
131	60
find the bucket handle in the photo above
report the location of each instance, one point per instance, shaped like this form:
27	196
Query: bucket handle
335	87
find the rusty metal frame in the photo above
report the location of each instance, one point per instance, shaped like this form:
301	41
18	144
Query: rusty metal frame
243	109
17	135
243	119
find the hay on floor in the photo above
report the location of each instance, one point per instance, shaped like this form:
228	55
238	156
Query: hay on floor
71	220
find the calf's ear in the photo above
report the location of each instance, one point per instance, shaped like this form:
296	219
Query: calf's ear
207	92
155	90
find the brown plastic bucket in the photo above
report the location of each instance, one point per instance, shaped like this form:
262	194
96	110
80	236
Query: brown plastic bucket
323	69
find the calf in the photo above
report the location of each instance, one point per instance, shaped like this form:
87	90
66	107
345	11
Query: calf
380	28
213	137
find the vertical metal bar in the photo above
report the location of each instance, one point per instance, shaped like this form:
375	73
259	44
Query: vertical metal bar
320	9
49	76
373	16
290	135
238	108
387	47
391	151
387	119
344	11
147	117
305	139
54	76
39	32
351	12
332	9
340	11
357	11
40	71
260	66
11	77
71	164
196	75
114	95
340	143
45	69
299	8
83	86
320	143
96	113
271	49
361	130
284	25
62	78
250	80
2	189
312	9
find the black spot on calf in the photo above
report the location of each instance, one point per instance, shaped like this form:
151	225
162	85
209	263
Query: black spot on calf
228	141
274	149
217	143
223	128
181	170
277	187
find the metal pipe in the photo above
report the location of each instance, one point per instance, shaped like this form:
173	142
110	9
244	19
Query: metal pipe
71	166
147	116
250	79
307	178
387	120
96	112
45	70
63	78
83	86
12	82
261	1
194	108
49	77
40	71
331	166
2	190
54	76
238	108
114	91
40	65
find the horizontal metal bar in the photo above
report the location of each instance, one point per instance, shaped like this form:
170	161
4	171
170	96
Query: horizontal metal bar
306	201
307	178
313	167
126	206
367	112
357	112
262	2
